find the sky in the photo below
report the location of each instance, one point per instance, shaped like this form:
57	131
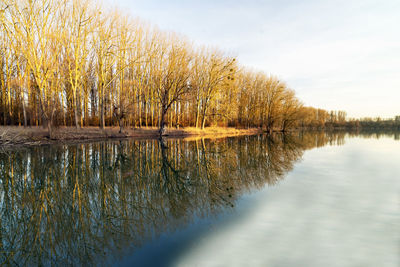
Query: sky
336	54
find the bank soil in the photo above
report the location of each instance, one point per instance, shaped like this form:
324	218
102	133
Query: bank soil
20	136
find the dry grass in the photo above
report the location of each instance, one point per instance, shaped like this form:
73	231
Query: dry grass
211	132
14	135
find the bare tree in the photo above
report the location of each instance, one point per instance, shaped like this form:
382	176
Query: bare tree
172	79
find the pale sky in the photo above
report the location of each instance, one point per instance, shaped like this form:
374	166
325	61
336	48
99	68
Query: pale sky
336	55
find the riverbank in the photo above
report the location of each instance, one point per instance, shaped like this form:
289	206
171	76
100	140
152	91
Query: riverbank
20	136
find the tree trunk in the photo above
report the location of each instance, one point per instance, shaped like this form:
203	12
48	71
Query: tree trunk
102	120
120	122
177	112
76	115
283	126
161	131
24	110
145	113
140	107
5	113
197	115
10	113
152	113
49	129
203	120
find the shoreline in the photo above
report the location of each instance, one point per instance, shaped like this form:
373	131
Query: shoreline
18	136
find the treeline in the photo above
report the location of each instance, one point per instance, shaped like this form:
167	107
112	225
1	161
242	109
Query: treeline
379	123
312	118
69	63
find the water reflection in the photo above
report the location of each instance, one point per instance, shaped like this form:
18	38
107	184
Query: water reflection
84	204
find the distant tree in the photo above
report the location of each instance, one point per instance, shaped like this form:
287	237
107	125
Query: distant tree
274	93
290	111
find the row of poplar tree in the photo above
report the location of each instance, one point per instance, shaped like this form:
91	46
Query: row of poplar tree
70	63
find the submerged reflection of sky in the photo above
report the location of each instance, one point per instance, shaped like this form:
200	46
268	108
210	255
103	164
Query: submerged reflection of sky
338	207
166	249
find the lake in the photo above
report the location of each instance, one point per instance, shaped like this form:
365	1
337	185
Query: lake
304	199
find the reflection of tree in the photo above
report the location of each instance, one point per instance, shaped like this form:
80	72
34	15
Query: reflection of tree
376	133
79	204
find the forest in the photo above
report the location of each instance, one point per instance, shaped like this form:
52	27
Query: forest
71	63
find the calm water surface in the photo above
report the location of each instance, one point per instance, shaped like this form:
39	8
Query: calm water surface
309	199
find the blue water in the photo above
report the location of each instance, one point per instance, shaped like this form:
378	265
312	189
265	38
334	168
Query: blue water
339	206
308	199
